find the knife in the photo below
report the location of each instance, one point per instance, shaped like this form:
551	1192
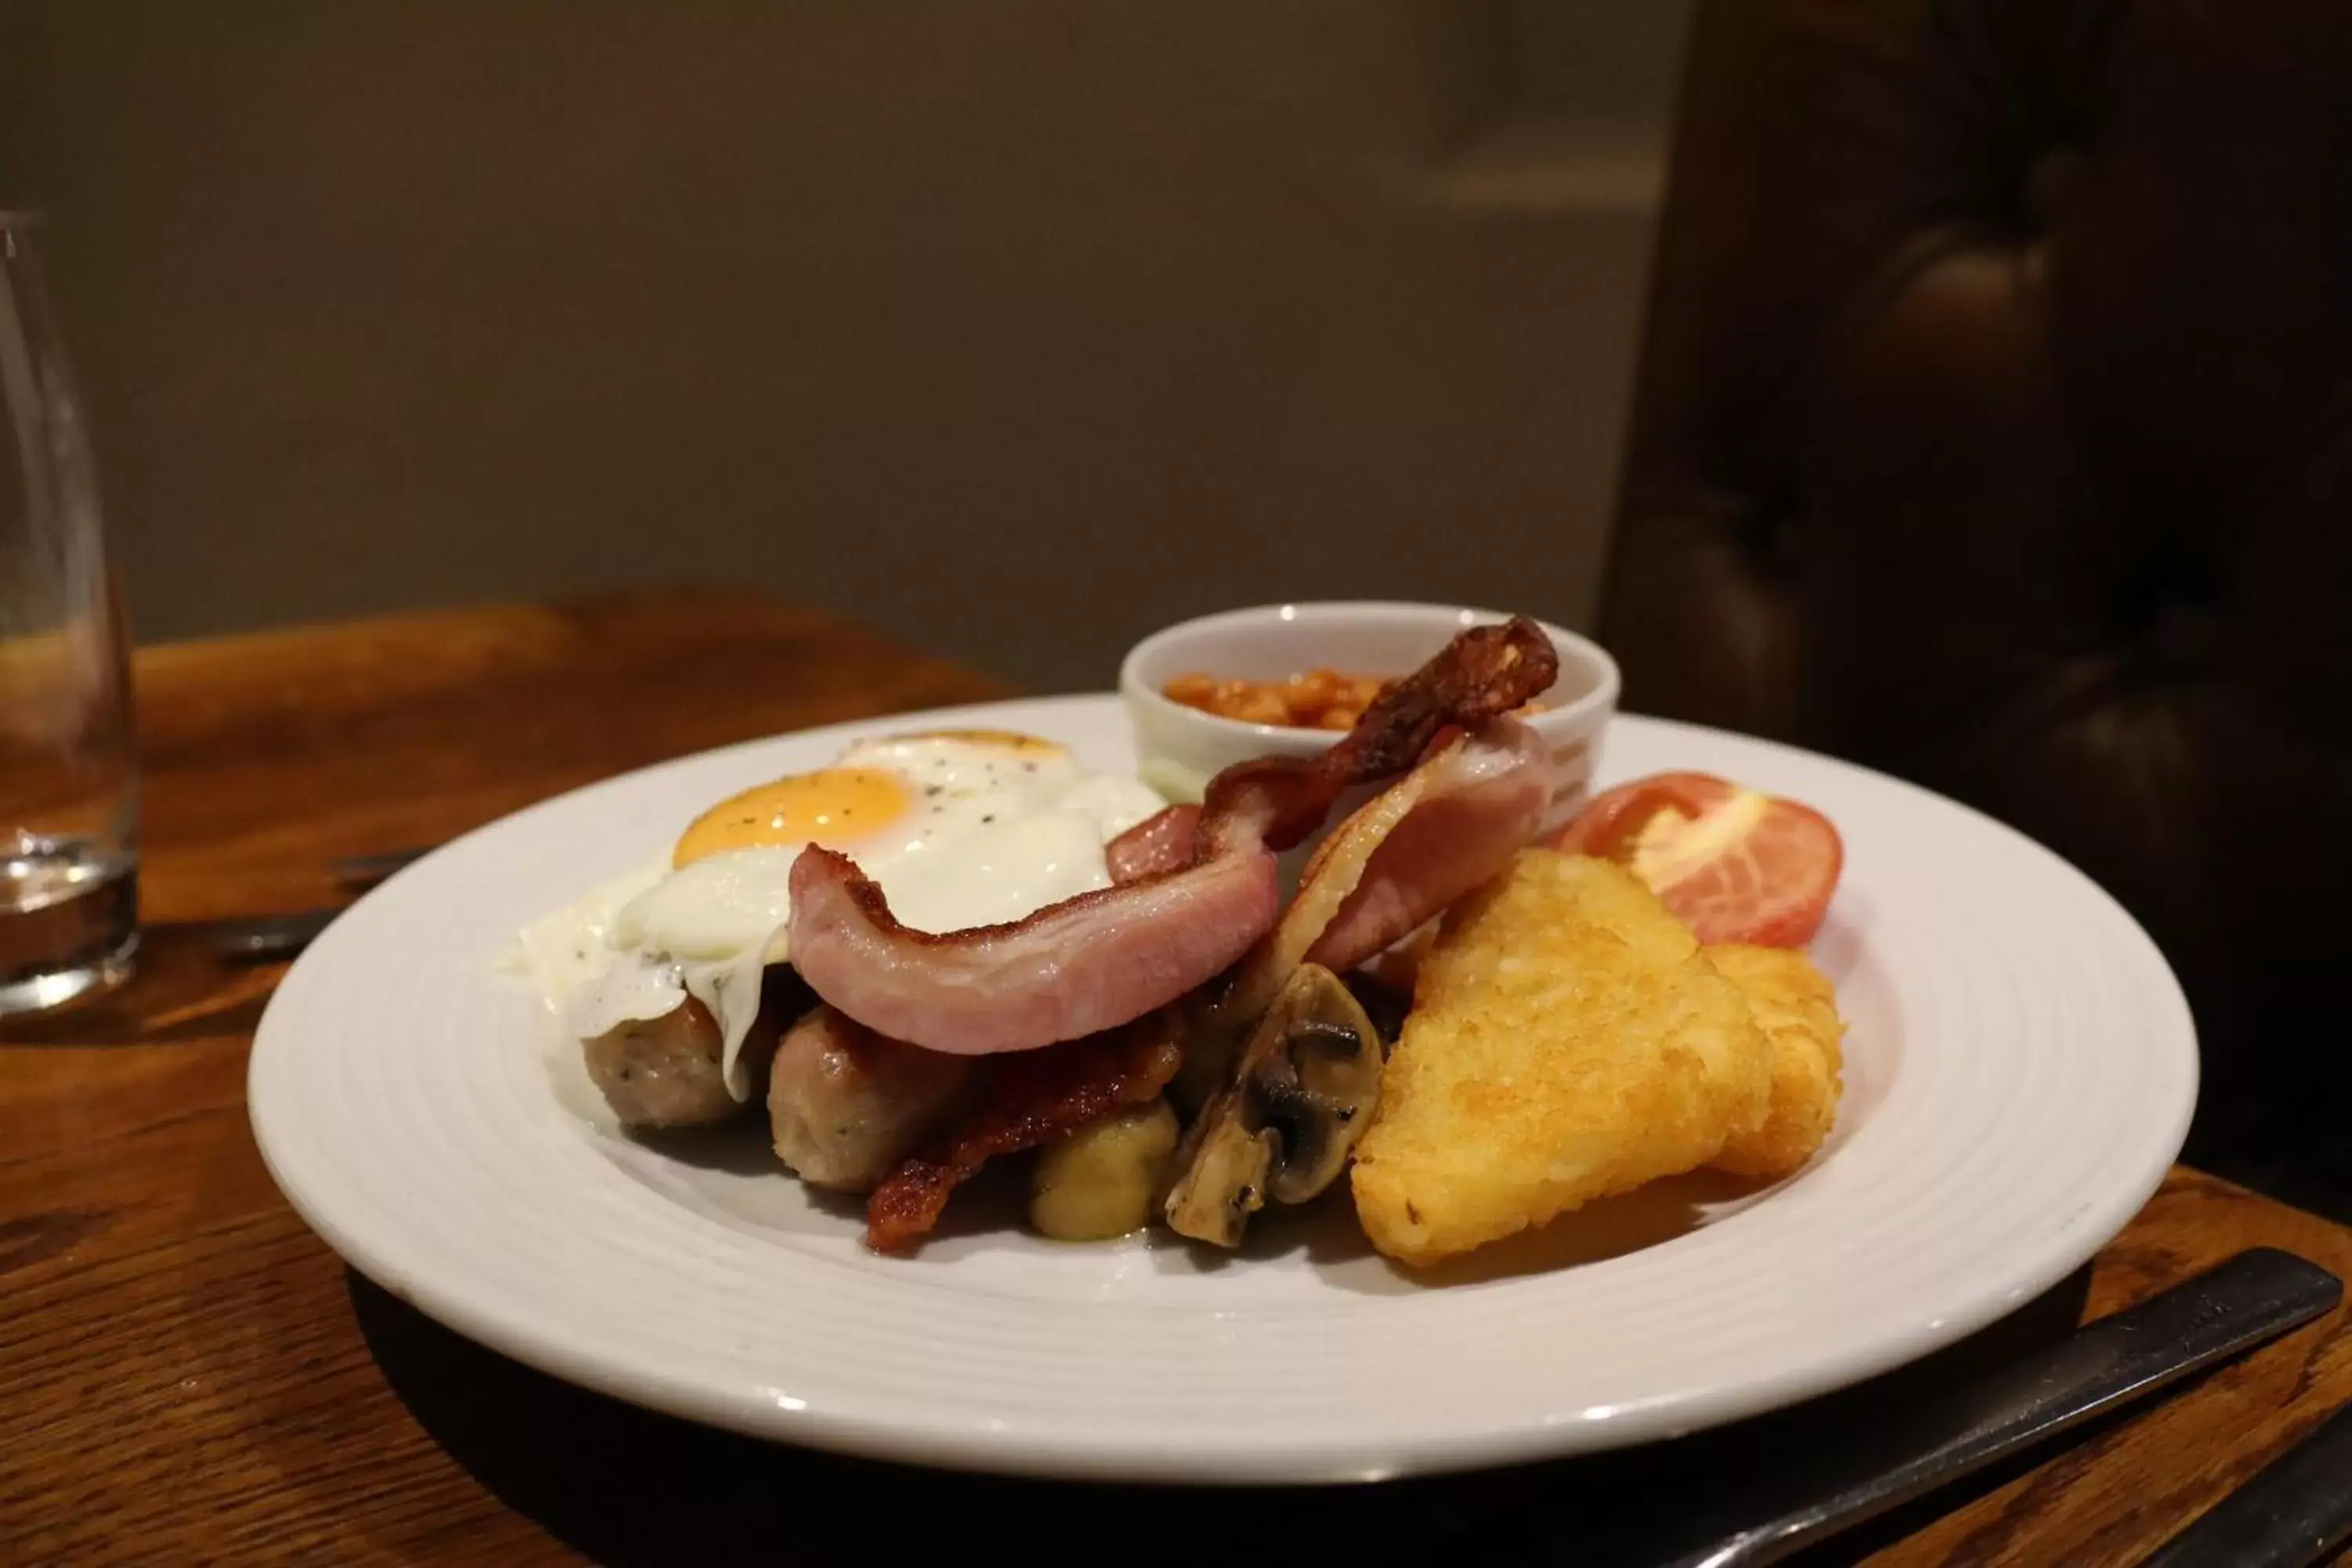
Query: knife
367	870
2296	1510
264	938
2127	1356
261	938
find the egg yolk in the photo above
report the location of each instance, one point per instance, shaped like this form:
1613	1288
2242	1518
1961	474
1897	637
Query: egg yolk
834	806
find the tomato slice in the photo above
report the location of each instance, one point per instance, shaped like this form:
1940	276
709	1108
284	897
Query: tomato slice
1734	864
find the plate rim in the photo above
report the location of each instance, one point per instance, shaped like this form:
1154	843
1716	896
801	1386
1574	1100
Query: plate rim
941	1445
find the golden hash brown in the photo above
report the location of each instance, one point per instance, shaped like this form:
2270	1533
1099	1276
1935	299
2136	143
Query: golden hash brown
1795	1007
1568	1041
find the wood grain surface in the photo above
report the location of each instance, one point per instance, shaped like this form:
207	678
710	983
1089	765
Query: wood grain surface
188	1375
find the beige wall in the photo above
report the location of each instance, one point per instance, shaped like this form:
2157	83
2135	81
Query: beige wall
1016	327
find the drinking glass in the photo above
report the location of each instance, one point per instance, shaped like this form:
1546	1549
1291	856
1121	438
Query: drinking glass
69	785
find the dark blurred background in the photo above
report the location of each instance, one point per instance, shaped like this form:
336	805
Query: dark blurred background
1013	329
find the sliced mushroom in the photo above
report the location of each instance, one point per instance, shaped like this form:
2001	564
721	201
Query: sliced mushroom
1301	1095
1325	1100
1226	1169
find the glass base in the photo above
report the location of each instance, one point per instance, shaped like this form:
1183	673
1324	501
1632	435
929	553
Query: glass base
40	992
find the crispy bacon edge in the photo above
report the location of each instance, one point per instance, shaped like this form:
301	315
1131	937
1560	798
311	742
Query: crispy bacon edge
1480	801
1025	1100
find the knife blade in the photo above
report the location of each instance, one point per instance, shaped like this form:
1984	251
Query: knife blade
2295	1509
2127	1356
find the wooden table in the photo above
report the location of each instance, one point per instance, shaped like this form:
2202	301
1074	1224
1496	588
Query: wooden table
187	1374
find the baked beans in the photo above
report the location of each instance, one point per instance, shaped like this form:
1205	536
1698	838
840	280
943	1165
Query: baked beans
1321	699
1318	699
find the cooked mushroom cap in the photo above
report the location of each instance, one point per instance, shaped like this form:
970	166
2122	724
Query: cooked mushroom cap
1319	1094
1301	1096
1225	1170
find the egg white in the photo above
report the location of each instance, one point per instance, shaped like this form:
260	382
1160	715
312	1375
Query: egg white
993	833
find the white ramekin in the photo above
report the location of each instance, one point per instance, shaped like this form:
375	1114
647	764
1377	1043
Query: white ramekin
1182	748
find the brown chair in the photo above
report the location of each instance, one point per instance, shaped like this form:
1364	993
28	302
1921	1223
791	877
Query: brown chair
1995	428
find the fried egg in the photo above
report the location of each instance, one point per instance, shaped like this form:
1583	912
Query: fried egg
961	828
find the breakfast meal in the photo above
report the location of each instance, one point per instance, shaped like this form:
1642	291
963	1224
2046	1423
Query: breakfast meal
955	947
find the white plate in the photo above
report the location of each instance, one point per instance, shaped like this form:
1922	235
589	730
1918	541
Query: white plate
2020	1071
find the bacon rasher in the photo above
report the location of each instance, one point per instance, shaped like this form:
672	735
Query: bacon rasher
1099	959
